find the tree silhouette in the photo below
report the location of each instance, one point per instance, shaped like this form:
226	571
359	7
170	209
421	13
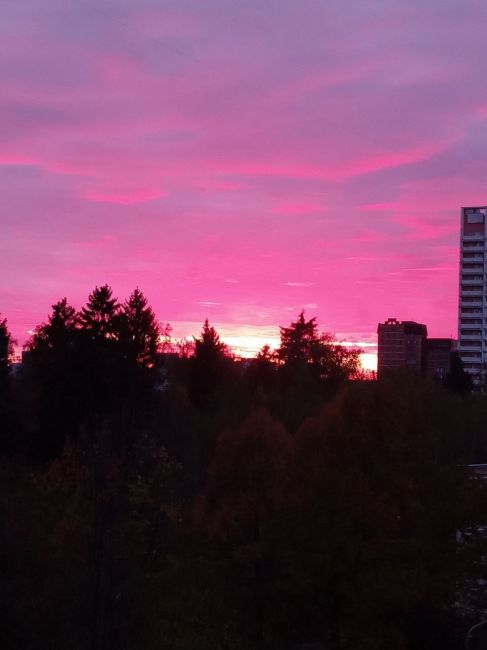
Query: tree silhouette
311	368
208	365
244	504
7	424
261	374
6	347
102	368
53	387
457	380
98	318
377	507
302	343
57	334
140	331
209	347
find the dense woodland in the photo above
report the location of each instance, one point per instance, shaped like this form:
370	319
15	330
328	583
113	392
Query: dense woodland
154	497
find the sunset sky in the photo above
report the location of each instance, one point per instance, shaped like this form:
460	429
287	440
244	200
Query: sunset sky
241	160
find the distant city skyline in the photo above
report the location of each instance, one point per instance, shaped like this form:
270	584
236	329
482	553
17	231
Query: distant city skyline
241	161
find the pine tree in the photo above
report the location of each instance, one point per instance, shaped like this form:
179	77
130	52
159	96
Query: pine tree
53	385
140	330
300	342
59	330
99	319
207	365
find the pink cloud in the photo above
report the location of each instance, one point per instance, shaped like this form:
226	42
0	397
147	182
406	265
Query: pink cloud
123	197
378	207
299	208
331	144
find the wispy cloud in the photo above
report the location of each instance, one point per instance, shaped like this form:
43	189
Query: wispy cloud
227	147
300	284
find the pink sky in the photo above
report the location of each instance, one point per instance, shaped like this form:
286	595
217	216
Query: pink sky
241	160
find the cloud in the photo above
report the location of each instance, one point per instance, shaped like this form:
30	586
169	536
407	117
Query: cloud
123	197
299	284
330	142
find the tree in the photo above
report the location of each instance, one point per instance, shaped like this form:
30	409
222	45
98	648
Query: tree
85	549
207	365
58	333
302	344
457	380
377	508
52	384
209	347
140	331
244	507
102	372
6	347
311	369
7	424
260	374
99	318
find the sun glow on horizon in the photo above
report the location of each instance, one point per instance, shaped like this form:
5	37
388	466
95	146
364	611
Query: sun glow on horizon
246	341
369	361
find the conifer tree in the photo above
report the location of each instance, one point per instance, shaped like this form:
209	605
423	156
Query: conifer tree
53	386
140	330
59	330
208	365
99	318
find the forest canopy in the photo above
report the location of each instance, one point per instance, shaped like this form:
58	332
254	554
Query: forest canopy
184	498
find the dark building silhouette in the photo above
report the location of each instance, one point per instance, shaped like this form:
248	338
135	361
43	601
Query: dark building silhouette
405	346
438	357
401	346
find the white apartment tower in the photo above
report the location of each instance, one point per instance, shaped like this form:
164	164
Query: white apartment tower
472	308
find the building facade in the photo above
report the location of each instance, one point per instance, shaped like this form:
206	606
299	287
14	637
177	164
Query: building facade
401	346
472	308
439	354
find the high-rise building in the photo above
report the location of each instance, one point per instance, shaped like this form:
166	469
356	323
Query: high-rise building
472	344
401	346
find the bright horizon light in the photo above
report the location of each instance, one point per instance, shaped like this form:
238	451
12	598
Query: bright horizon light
241	163
247	341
